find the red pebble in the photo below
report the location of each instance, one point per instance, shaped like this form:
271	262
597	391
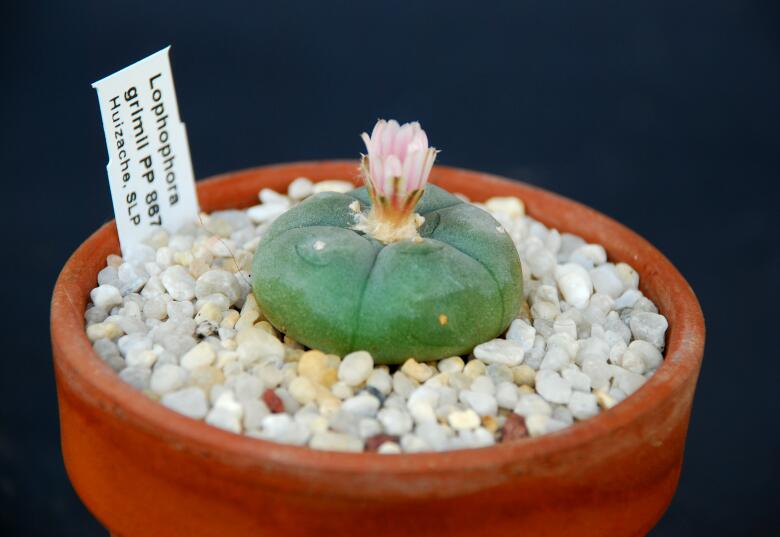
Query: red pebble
275	404
514	428
373	443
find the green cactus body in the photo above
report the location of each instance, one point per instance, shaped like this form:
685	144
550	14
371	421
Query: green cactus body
338	290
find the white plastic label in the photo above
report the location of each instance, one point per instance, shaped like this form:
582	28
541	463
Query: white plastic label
149	165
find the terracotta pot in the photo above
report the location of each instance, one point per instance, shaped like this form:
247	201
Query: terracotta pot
144	470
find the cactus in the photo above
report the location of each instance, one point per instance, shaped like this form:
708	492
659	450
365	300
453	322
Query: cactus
407	271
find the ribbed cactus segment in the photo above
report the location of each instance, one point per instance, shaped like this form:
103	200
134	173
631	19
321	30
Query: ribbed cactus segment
338	290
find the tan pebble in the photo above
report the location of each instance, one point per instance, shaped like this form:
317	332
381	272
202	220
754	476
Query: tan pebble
330	374
302	390
523	375
536	424
182	258
453	364
200	355
474	368
318	424
265	325
206	377
341	390
417	371
229	265
233	264
604	400
103	330
270	374
330	377
246	320
209	312
490	423
442	379
250	313
389	448
142	359
323	393
250	305
255	343
229	319
312	364
114	260
333	360
329	406
525	389
333	185
506	204
525	312
331	441
464	419
198	267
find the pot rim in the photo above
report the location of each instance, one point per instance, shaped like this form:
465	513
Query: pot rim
79	364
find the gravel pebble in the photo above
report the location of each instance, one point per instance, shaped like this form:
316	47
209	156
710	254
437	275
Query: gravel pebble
463	420
553	387
188	401
218	281
583	405
283	429
200	355
396	422
483	404
574	283
106	296
418	371
649	327
179	284
333	185
137	377
500	351
532	403
300	188
336	442
453	364
355	368
361	405
167	378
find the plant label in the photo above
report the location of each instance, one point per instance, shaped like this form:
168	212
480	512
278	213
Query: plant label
149	166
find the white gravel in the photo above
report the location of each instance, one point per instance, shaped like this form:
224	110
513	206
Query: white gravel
177	320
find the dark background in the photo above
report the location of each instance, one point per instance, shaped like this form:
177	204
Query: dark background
661	114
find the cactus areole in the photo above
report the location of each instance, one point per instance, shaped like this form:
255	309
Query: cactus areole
397	268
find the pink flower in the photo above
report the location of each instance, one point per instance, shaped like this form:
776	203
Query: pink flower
397	166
